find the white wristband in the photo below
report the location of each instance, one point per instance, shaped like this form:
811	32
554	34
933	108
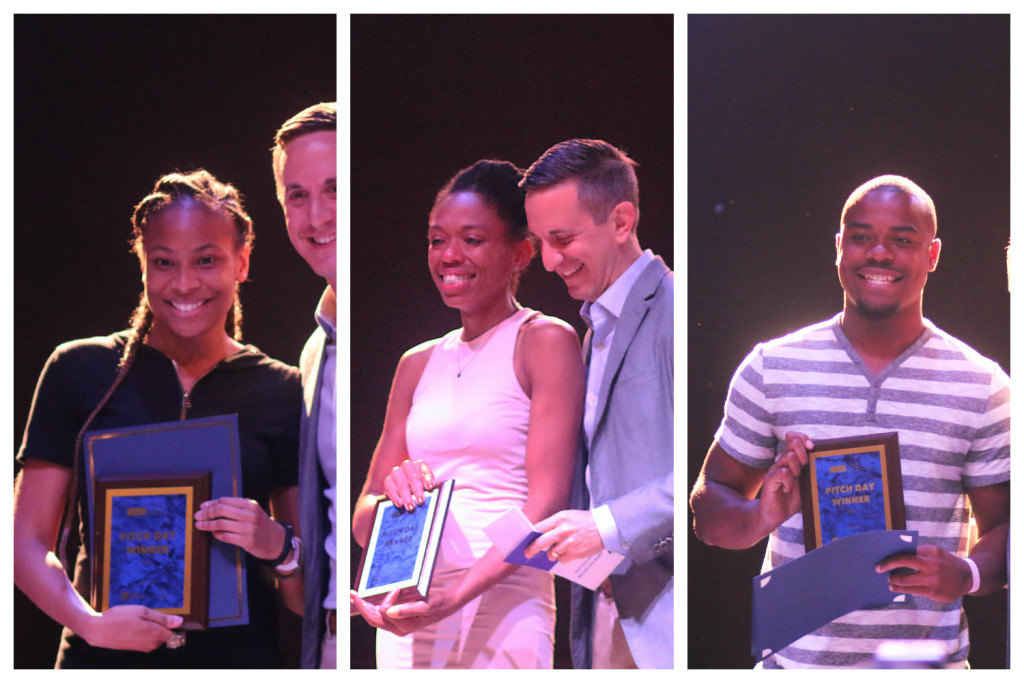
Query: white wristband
975	576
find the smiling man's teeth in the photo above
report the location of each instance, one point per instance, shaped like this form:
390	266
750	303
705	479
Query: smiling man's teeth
880	279
571	272
327	239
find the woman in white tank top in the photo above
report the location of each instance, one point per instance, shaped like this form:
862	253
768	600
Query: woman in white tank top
495	405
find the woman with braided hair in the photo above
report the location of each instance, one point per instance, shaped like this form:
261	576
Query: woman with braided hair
181	359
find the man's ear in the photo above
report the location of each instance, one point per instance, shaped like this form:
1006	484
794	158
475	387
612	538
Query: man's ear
623	216
933	254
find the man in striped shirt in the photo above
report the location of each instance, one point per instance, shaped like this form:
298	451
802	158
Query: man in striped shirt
879	366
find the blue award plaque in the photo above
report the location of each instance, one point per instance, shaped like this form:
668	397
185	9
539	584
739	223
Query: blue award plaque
166	449
851	486
402	548
147	549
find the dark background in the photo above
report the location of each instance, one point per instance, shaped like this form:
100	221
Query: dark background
786	116
105	105
433	94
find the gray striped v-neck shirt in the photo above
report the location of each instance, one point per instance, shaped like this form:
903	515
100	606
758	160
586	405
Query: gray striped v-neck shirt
951	408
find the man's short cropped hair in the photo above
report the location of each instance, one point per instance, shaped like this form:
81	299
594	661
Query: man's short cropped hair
323	116
605	173
892	183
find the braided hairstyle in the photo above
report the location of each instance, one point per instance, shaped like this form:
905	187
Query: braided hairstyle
173	189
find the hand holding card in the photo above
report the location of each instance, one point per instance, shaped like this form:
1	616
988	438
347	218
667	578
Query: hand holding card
512	533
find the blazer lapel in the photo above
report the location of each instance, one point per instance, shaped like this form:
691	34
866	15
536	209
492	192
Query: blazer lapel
638	303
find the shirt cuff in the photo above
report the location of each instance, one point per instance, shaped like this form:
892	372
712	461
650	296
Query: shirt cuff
609	530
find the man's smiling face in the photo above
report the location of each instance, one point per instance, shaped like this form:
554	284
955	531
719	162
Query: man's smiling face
884	251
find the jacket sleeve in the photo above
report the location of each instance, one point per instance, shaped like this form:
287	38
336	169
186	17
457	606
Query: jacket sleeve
645	518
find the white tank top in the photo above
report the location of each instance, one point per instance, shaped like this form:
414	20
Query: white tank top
468	422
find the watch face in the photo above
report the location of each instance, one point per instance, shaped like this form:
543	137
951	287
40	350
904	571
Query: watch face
296	554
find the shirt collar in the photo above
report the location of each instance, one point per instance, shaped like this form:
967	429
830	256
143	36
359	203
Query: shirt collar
613	299
326	314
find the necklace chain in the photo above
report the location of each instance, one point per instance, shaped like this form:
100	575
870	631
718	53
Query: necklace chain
465	349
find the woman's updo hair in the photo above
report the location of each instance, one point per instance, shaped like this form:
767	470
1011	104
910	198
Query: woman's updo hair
203	188
498	183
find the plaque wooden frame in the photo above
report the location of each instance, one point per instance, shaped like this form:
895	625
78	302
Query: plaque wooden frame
195	569
879	451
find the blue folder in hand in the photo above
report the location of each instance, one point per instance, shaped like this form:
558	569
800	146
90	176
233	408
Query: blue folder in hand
806	593
201	445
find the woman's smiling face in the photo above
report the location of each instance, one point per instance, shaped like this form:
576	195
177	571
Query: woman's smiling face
470	257
192	263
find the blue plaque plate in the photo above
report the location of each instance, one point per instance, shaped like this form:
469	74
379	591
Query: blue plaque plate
403	547
851	486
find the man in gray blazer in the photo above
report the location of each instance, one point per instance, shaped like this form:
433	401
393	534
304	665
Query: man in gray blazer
582	202
305	170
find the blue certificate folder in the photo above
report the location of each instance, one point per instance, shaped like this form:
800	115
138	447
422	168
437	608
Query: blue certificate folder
806	593
169	448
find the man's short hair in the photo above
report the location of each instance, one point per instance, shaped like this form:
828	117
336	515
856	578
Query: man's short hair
892	183
605	173
323	116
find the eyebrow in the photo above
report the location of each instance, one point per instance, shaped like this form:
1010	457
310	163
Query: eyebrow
461	228
327	181
868	226
554	232
160	247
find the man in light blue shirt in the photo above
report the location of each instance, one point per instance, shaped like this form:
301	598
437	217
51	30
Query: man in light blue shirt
305	170
582	202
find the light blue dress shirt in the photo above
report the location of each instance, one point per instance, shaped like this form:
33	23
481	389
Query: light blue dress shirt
602	315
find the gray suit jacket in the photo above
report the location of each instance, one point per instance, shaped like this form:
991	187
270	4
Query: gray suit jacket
631	470
312	504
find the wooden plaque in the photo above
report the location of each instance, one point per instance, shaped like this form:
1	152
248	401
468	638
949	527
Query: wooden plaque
146	548
851	485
